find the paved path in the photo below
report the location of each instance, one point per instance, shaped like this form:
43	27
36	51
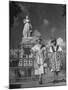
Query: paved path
47	81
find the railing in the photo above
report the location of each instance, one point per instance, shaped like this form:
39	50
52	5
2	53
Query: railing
25	72
20	73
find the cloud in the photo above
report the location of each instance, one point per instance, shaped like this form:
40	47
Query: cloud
45	21
37	33
23	8
61	42
53	30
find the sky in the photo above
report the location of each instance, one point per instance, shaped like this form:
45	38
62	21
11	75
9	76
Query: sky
48	19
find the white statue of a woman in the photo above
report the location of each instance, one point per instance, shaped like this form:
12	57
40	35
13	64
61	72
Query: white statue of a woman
27	27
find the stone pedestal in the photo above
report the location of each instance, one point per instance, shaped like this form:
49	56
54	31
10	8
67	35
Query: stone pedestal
26	60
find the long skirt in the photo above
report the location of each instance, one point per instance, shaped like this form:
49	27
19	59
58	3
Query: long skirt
55	61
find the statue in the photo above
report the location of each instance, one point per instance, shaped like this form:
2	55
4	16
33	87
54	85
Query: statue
27	27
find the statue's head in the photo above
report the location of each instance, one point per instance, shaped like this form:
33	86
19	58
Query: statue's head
27	17
26	20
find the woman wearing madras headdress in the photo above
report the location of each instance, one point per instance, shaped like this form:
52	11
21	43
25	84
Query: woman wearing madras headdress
27	27
55	58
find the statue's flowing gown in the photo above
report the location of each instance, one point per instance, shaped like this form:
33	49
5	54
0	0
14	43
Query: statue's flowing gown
26	29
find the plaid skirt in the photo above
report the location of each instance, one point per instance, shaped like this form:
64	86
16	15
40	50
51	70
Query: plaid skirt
55	61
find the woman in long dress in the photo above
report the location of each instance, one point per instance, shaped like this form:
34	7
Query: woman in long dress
55	58
38	62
